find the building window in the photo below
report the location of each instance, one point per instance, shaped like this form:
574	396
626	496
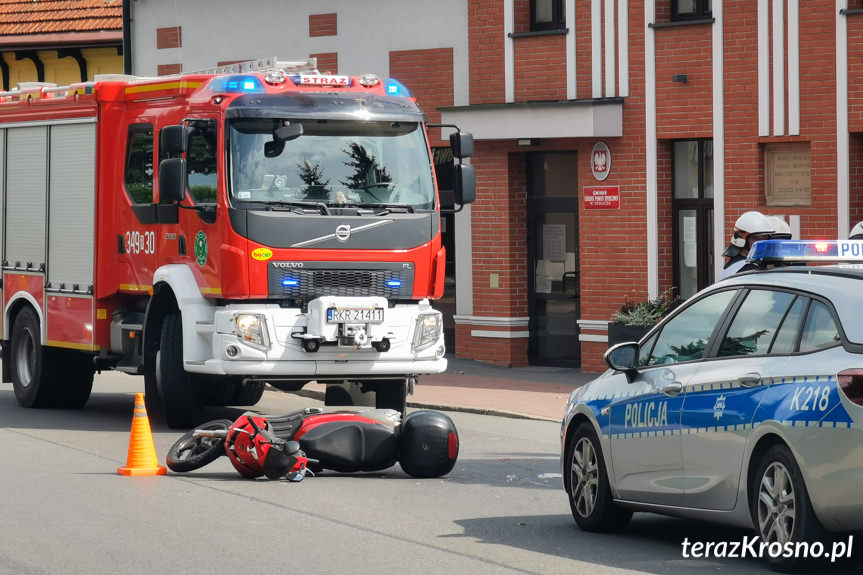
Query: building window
692	206
691	9
547	15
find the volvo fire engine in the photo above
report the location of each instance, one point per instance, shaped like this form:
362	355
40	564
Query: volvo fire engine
217	231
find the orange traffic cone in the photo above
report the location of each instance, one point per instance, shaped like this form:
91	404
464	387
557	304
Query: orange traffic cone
142	458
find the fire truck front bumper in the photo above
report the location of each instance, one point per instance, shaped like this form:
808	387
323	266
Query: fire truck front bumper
334	337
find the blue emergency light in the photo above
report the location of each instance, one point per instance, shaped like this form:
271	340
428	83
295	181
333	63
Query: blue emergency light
822	251
395	88
242	84
394	284
290	282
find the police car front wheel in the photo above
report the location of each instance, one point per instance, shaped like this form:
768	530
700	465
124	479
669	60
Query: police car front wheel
587	485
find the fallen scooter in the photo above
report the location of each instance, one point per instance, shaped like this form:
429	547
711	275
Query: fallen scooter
425	443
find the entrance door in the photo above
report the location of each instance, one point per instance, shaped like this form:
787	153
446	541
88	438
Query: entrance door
553	278
692	226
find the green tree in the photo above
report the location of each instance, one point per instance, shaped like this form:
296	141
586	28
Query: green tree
368	173
313	176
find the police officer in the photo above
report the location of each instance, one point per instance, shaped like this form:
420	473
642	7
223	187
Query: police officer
856	232
748	229
781	229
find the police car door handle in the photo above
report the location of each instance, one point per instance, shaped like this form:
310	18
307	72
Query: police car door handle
672	389
749	380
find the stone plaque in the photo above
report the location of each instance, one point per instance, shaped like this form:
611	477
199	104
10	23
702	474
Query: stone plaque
787	169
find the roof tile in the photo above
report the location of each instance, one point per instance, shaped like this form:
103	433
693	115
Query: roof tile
23	17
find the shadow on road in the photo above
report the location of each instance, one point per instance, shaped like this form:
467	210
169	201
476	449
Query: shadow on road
103	412
651	543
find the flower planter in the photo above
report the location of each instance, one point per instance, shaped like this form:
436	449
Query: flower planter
620	332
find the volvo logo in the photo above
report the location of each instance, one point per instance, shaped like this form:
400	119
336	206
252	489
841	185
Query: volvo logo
287	264
343	232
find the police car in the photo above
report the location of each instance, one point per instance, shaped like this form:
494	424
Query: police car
744	406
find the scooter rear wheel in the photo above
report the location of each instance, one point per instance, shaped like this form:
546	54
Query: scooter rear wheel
190	453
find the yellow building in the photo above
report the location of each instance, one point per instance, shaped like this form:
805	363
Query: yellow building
59	42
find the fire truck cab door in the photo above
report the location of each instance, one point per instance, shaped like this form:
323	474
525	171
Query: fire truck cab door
137	215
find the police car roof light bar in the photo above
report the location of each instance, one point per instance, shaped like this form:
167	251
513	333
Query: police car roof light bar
801	251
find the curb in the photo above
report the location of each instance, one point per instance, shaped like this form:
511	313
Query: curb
444	407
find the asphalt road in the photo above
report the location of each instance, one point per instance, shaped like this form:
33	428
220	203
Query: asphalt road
501	510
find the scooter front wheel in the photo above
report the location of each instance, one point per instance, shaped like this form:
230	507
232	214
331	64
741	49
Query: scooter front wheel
190	452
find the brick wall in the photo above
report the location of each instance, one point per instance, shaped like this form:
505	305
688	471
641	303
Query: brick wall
428	75
486	50
323	25
685	110
744	162
855	70
169	37
168	69
328	62
540	68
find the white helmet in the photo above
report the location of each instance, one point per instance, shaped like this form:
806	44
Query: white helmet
750	223
856	232
781	230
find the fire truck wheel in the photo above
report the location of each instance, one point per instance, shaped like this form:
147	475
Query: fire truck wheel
76	383
212	390
248	393
178	400
34	376
391	395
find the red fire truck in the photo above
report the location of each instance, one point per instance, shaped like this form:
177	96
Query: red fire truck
217	231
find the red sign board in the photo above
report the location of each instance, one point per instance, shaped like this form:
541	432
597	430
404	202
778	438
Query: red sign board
602	197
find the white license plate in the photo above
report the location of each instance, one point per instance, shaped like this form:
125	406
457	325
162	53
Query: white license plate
355	315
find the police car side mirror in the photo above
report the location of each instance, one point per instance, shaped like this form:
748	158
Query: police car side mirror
172	180
623	357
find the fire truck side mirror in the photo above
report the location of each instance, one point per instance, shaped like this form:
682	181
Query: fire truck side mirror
172	180
461	144
464	183
173	140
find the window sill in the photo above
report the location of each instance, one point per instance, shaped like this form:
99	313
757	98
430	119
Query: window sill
539	33
681	23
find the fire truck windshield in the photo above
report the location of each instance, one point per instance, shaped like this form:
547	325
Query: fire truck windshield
334	162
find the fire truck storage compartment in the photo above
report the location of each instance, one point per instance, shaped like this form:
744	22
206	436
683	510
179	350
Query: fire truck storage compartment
71	217
56	238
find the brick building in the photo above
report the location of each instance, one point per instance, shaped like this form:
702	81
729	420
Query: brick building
616	141
59	42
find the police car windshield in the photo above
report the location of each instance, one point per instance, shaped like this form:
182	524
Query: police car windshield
334	162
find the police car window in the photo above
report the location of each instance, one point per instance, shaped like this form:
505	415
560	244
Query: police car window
201	162
786	339
820	329
685	336
756	323
644	351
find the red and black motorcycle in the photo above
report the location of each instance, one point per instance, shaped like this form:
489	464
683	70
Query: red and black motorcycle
425	443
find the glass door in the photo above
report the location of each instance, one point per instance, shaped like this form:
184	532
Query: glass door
553	283
692	223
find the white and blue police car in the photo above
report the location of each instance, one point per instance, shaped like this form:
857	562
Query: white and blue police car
744	406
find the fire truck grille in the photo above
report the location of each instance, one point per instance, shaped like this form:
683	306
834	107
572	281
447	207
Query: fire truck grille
315	279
